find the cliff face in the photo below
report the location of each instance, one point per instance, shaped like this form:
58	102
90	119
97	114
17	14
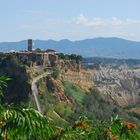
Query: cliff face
72	71
18	88
119	85
56	87
122	84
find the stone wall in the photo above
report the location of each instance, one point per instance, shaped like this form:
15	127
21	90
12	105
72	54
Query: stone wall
37	59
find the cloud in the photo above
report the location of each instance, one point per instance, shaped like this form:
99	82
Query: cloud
81	20
114	21
82	27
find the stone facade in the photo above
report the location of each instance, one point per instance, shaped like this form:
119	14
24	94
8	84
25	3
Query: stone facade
33	59
37	58
53	59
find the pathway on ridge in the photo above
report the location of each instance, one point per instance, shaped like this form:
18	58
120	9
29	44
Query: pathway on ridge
35	90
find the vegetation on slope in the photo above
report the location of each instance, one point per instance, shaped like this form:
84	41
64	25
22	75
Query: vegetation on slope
74	91
21	123
70	57
64	110
28	124
18	88
74	102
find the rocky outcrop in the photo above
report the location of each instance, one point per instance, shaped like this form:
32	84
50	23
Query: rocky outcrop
70	65
72	71
122	84
136	110
56	87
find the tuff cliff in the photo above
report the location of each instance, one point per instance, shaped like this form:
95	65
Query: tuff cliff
71	70
74	91
56	87
122	84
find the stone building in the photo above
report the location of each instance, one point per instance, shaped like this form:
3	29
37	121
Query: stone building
32	59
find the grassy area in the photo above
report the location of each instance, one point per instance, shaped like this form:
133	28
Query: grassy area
64	109
57	111
82	103
74	91
57	119
91	104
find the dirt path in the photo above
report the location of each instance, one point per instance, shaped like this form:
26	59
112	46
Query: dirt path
35	90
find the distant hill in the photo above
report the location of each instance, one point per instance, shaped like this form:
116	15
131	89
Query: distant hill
113	62
99	47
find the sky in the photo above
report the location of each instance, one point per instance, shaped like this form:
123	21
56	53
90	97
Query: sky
69	19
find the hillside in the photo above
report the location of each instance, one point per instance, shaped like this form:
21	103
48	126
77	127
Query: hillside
64	102
119	79
66	97
72	85
121	84
100	47
70	93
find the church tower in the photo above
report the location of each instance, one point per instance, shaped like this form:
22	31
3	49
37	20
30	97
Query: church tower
29	45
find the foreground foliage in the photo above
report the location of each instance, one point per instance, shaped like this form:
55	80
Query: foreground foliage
84	129
28	124
20	124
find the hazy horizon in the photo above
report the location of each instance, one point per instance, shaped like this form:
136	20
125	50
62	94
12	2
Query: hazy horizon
71	39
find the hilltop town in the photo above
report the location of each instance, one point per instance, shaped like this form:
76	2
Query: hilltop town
38	57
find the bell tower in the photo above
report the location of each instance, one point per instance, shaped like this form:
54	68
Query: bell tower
30	45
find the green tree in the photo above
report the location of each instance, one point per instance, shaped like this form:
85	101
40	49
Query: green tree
38	50
12	67
56	73
115	129
61	56
22	124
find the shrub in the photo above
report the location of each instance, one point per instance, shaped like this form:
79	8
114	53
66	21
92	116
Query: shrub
56	73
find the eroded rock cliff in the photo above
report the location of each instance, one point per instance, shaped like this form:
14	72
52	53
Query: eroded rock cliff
122	84
72	71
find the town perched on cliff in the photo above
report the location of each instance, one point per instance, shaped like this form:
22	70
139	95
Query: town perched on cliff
37	57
